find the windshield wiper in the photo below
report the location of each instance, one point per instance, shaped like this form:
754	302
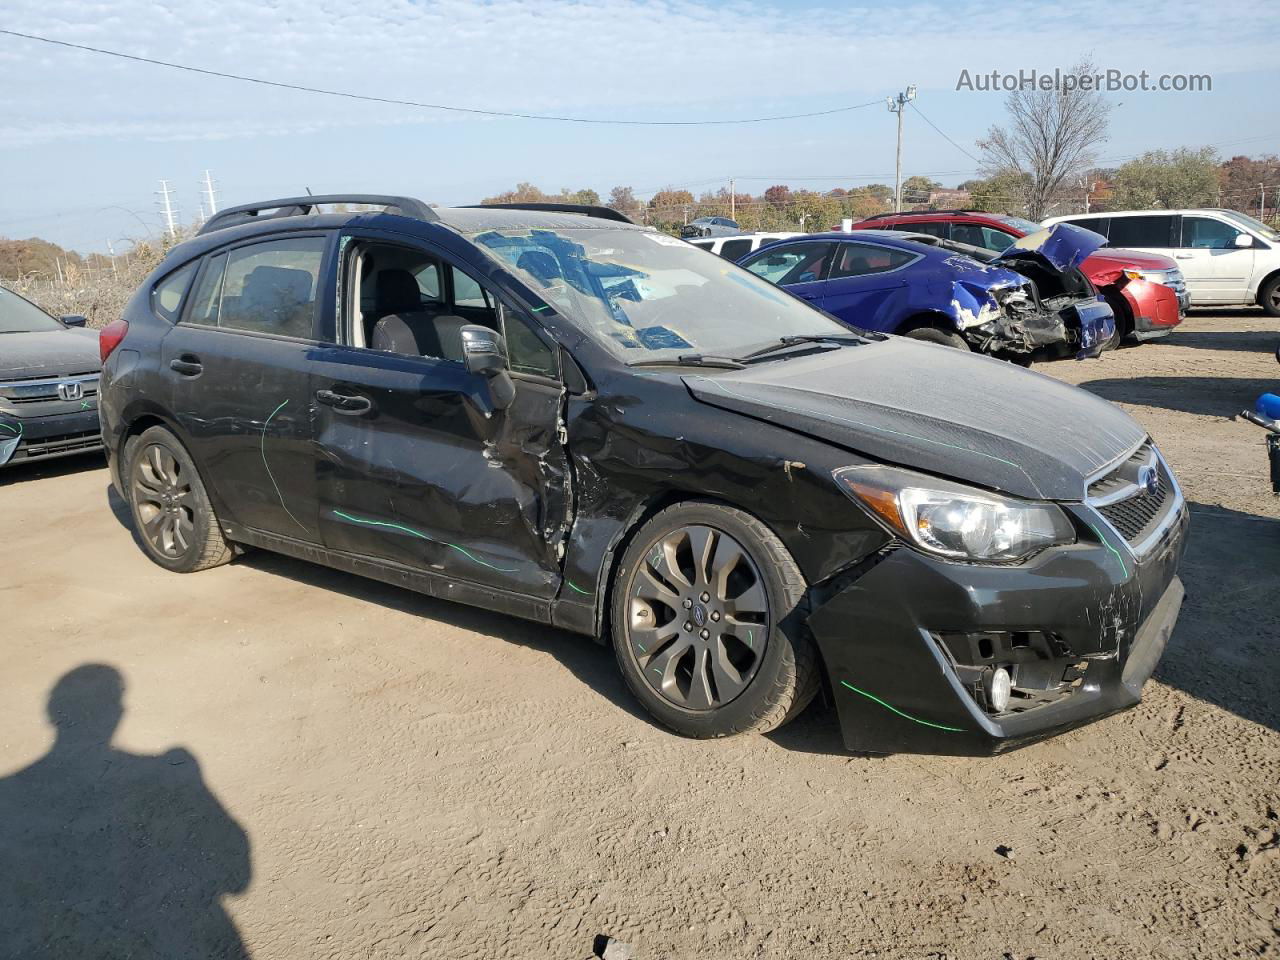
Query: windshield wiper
785	343
692	360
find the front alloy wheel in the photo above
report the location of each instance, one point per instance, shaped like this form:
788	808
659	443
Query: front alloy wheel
707	622
697	617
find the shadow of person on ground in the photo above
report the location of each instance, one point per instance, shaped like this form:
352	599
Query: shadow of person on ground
105	853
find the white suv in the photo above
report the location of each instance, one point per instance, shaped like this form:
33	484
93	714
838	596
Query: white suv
735	248
1227	258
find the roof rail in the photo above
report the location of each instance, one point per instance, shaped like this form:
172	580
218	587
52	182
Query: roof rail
918	213
586	209
301	206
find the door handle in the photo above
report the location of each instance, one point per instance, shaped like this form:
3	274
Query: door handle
345	402
1184	256
187	365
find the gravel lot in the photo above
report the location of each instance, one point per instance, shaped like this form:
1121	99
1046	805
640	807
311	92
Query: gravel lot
311	765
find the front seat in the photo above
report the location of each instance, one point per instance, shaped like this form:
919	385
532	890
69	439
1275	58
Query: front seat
420	335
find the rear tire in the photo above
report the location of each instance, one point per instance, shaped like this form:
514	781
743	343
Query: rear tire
171	511
943	338
707	623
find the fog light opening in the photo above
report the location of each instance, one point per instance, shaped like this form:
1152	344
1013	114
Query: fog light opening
999	689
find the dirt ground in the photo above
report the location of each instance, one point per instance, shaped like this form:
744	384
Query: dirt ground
320	766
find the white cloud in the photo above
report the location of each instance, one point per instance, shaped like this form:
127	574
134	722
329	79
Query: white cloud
647	59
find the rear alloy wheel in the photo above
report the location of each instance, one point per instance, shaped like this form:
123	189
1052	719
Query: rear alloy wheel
1270	297
704	623
171	511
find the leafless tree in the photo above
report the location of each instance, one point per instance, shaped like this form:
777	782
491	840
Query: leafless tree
1049	140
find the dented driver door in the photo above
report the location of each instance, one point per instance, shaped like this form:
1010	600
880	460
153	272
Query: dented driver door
417	468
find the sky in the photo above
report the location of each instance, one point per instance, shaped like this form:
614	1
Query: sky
85	139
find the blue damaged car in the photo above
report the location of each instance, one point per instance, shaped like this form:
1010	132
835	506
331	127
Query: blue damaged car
1029	302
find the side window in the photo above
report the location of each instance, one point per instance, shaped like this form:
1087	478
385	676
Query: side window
467	292
933	229
166	296
969	233
705	244
526	352
265	287
995	240
1096	224
1208	233
789	263
1148	231
860	259
733	249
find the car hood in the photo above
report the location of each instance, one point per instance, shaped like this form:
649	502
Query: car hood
53	353
1063	246
1131	258
939	410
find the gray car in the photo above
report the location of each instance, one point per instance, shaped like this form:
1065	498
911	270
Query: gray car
48	383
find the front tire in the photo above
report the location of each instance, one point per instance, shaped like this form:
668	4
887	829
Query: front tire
1269	298
171	511
707	611
943	338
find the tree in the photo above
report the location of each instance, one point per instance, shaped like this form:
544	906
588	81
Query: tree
777	195
1244	178
523	193
1050	138
1167	180
670	198
623	199
1003	193
917	189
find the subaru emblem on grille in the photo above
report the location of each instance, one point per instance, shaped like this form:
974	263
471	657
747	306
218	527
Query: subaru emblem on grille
1149	480
71	390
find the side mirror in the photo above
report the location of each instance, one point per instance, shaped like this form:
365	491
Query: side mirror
74	320
484	353
1243	241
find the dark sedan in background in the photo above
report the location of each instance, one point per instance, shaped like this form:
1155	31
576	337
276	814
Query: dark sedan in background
48	383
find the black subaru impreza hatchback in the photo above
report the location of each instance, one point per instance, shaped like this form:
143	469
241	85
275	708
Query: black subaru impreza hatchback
552	412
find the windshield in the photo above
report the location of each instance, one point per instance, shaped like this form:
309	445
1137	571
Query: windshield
19	316
1257	226
647	296
1026	226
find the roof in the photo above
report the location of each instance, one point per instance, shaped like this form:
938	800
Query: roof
479	219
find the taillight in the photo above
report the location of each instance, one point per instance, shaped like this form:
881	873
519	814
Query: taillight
109	337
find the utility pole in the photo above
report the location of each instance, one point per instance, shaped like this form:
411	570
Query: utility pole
897	105
112	251
210	200
1262	201
733	201
166	208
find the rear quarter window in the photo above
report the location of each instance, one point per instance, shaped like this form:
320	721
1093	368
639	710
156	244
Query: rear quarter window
166	296
1146	231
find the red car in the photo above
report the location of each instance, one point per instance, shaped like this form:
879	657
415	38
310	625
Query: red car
1145	290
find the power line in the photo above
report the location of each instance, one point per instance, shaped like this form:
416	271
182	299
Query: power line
429	106
943	135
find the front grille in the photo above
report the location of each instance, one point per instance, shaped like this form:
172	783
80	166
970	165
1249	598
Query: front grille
1137	498
40	389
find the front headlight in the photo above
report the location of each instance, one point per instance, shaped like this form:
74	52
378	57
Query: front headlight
954	521
1164	277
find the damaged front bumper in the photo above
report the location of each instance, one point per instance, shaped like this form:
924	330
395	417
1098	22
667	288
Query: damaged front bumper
1052	328
910	642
